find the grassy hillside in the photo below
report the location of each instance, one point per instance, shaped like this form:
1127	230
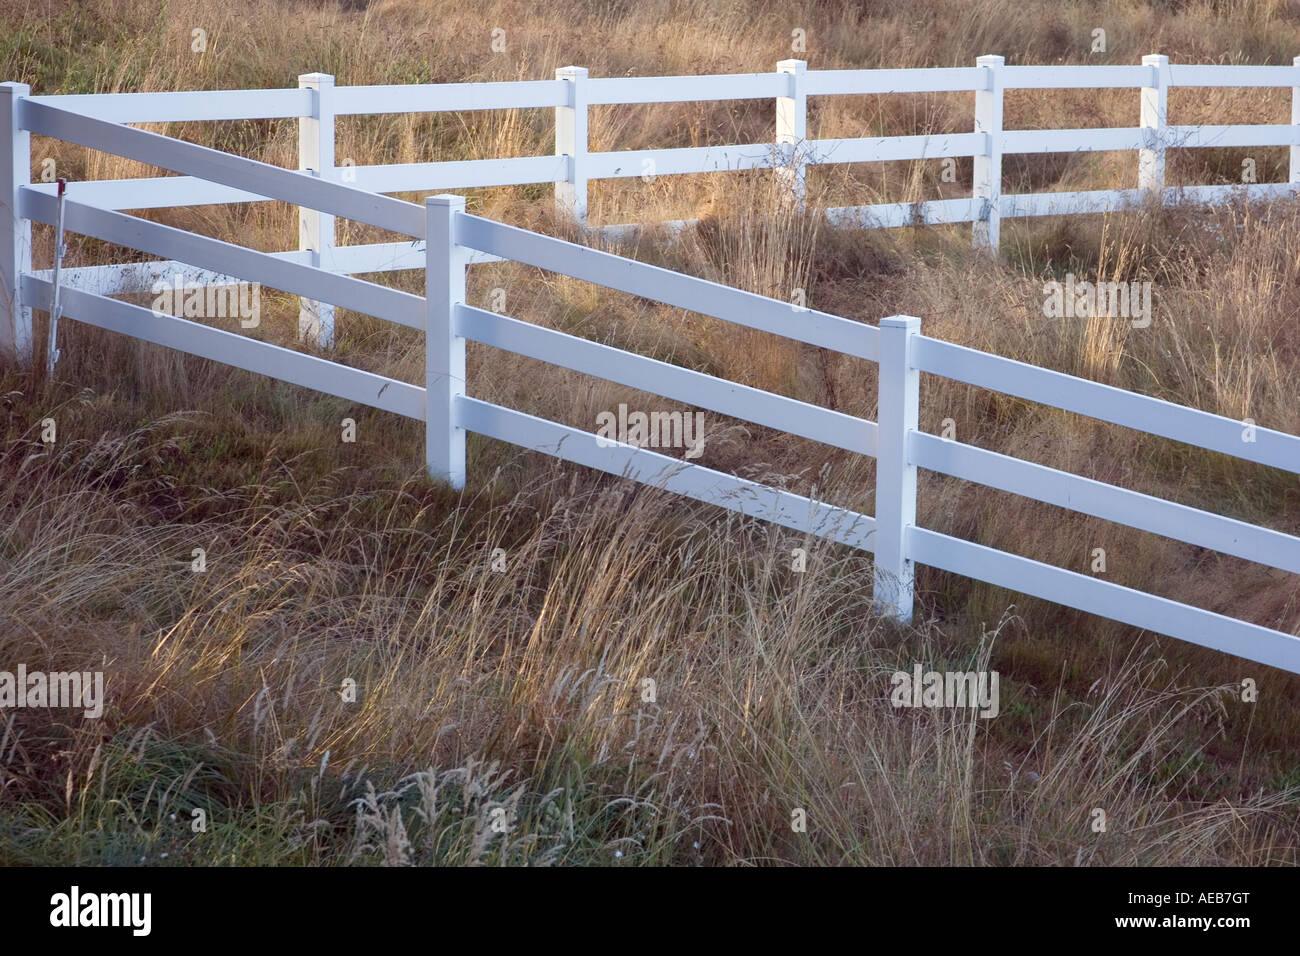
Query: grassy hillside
520	694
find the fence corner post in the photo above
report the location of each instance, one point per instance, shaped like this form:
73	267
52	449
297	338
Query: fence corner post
898	415
1294	178
987	168
571	141
1154	119
316	229
792	130
444	365
16	340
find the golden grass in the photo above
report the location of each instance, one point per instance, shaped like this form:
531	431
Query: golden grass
518	695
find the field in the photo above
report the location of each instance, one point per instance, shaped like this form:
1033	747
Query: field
359	676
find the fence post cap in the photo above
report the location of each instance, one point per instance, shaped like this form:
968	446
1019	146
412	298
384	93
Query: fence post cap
445	199
991	59
320	79
910	323
1155	59
792	66
15	89
570	72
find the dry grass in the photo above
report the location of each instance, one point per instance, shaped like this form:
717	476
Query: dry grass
517	697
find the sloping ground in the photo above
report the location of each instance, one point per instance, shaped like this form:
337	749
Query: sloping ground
357	675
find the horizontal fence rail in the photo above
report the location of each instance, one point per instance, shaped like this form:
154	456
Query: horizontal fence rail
1113	601
199	106
228	259
671	381
1096	498
1107	403
444	240
664	285
230	348
671	474
218	167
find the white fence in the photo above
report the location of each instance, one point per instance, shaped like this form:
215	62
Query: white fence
318	102
452	239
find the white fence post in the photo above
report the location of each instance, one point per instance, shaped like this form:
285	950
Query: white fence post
316	229
15	232
987	179
1155	115
444	368
792	129
898	413
1295	123
571	141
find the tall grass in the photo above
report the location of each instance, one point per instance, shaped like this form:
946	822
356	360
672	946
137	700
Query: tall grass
644	680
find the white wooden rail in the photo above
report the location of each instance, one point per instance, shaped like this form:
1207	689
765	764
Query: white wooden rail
318	102
449	239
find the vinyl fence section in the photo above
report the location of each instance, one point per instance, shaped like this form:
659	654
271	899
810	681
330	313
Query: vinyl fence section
444	240
318	102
